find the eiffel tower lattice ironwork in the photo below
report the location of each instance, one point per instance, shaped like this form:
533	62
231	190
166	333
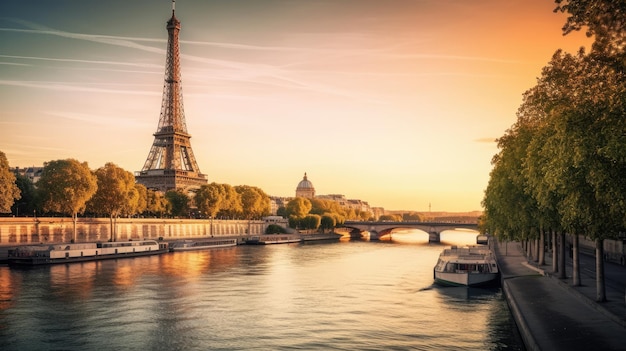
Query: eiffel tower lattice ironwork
171	163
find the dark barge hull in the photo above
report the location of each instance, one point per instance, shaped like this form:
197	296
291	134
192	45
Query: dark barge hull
39	261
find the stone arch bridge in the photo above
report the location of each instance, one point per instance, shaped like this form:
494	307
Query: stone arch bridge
380	229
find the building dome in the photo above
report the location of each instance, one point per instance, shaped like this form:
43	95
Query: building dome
305	188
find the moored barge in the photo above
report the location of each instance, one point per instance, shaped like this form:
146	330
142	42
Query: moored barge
32	255
267	239
205	244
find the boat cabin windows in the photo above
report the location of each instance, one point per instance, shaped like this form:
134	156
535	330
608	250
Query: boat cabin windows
464	267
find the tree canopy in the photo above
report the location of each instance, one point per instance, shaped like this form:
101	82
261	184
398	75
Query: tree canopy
27	203
65	186
298	207
178	203
116	193
603	19
9	192
255	204
562	163
156	203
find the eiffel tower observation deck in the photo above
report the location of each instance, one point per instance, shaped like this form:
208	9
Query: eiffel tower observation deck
171	163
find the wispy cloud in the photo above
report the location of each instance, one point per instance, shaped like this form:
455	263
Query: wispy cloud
115	63
104	39
251	72
14	64
282	75
95	118
62	86
486	140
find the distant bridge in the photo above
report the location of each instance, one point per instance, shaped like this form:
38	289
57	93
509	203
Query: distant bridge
379	229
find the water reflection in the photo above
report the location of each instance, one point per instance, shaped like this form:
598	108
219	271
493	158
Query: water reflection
194	264
9	285
463	294
447	237
343	295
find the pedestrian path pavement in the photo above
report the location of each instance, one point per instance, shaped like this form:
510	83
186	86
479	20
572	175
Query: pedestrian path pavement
552	315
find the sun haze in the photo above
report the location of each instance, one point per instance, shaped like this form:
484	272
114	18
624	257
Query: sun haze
397	102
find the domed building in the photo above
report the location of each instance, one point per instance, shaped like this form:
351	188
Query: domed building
305	188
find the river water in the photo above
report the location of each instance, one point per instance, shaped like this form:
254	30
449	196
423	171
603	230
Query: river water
347	295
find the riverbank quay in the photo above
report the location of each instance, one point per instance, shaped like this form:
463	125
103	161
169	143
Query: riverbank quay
550	314
242	239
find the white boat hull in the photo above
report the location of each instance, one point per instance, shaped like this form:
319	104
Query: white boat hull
466	279
466	266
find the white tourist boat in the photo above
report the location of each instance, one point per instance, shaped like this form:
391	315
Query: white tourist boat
31	255
202	244
468	266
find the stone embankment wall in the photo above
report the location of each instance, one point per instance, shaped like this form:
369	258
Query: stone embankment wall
29	230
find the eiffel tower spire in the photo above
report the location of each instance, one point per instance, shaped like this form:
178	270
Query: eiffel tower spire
171	163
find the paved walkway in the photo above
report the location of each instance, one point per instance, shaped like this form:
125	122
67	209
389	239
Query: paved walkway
552	315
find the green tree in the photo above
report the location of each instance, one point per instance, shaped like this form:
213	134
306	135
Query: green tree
231	207
321	206
9	192
324	207
116	194
327	222
65	186
156	203
566	152
364	215
210	199
282	211
294	222
352	215
27	203
590	141
561	166
391	218
275	229
298	207
516	207
254	202
412	217
596	164
178	203
603	20
142	198
339	219
310	222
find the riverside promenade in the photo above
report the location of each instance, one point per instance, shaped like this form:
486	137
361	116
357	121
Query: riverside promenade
553	315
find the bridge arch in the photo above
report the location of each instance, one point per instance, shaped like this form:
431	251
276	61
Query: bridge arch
433	229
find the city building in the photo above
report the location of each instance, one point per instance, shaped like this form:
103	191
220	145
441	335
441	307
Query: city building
277	202
305	188
33	173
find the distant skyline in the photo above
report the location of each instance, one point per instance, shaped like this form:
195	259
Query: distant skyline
397	103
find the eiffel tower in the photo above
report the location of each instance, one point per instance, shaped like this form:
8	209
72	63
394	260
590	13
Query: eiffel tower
171	163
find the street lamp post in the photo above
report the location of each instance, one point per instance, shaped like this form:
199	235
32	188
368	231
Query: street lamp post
36	223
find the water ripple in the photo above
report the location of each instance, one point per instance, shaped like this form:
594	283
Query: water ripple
338	296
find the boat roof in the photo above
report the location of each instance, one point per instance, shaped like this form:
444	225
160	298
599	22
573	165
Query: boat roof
467	253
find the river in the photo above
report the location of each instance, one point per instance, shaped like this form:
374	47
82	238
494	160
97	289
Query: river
347	295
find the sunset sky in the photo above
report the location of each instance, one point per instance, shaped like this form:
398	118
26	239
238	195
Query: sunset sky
394	102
